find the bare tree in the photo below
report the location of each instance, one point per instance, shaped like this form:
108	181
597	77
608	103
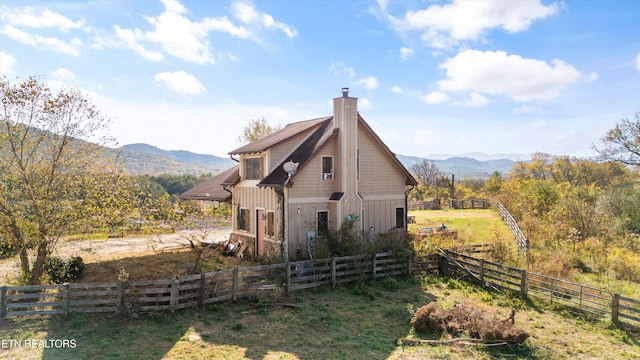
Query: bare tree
622	143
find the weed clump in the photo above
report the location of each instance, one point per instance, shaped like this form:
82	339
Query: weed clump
463	319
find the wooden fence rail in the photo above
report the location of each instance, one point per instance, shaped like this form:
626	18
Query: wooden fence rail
195	290
523	242
576	298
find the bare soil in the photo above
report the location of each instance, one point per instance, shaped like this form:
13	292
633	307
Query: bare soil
144	258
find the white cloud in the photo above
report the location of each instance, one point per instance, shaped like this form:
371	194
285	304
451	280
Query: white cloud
42	42
406	53
461	20
435	97
63	73
368	83
30	17
496	73
176	34
339	67
7	62
364	103
129	38
526	109
180	82
638	62
248	15
396	89
476	100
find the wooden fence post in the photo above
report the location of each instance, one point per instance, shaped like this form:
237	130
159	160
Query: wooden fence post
333	272
173	298
373	267
202	290
65	298
482	270
615	308
287	285
523	283
3	302
120	295
234	291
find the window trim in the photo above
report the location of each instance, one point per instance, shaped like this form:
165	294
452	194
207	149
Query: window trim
324	231
324	176
260	168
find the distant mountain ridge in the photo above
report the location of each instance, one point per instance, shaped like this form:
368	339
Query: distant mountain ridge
145	159
463	167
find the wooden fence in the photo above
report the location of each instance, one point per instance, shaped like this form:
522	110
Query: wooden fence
576	298
523	242
469	204
195	290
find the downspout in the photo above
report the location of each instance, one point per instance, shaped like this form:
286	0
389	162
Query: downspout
406	207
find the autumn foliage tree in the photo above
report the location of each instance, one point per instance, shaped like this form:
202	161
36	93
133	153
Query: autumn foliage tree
55	175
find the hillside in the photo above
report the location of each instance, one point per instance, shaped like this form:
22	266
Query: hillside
463	167
144	159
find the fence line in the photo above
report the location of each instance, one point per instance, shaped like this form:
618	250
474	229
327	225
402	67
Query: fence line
469	204
523	242
576	298
195	290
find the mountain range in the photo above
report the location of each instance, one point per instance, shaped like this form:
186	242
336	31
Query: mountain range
145	159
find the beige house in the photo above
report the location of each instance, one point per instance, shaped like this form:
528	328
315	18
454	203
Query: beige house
294	185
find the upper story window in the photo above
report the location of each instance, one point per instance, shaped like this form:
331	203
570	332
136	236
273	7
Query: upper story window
253	168
327	168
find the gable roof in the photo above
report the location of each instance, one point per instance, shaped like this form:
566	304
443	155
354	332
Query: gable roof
304	152
283	134
301	155
212	189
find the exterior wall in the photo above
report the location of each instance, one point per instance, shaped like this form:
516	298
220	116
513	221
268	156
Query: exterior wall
246	195
378	173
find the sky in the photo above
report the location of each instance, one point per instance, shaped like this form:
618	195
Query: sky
431	77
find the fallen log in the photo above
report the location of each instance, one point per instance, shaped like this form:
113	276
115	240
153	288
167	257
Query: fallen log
457	341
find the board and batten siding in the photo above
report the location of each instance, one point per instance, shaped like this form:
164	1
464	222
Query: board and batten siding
247	195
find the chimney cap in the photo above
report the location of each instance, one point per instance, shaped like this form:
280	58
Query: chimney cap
345	92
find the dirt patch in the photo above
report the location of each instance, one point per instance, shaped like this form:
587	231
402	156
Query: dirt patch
150	257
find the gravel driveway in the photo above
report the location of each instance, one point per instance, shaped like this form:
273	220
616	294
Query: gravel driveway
96	250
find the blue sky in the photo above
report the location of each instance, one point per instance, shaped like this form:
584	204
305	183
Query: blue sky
431	77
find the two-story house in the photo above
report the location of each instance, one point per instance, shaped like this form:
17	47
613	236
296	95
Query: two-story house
294	185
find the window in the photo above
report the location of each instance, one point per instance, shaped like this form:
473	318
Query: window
327	168
243	219
253	168
400	218
323	223
271	232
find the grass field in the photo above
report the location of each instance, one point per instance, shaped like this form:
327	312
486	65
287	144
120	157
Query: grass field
363	321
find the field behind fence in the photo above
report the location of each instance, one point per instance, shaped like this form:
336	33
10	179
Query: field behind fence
576	298
195	290
232	284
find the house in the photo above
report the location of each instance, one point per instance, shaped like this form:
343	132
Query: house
296	184
210	192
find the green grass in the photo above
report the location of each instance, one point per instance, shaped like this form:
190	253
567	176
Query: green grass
350	322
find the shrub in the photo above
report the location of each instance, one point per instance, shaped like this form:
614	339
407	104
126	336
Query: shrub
60	271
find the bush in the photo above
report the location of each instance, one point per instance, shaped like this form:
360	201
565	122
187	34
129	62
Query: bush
60	271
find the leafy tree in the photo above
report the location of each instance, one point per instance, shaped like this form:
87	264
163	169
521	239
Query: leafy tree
53	170
494	183
622	143
256	129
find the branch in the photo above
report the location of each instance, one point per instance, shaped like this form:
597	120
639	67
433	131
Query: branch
458	341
